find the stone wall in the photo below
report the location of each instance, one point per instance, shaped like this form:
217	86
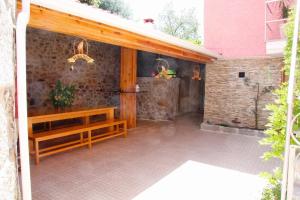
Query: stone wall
47	55
158	99
9	181
229	99
191	93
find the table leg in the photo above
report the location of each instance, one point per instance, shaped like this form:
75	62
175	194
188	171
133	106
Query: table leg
110	115
90	139
37	153
86	120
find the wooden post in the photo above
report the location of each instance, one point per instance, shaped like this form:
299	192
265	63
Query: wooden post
127	85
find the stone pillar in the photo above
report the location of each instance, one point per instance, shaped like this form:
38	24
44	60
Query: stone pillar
9	184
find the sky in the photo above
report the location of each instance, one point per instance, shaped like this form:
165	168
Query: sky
151	8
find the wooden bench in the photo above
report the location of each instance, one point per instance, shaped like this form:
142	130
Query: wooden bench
116	128
119	128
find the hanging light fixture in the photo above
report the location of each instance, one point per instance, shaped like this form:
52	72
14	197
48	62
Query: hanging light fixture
80	50
163	69
196	74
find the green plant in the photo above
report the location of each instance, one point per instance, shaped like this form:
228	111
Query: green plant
271	193
62	95
118	7
91	2
284	9
273	189
195	41
275	134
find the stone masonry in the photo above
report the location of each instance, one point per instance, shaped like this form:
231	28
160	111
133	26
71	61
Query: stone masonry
158	99
229	99
47	55
9	181
191	92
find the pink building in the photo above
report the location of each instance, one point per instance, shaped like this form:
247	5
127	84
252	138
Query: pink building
239	29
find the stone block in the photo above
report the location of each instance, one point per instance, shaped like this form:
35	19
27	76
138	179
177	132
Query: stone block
249	132
229	129
209	127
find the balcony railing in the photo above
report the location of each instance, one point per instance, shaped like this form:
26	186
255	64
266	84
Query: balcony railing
274	26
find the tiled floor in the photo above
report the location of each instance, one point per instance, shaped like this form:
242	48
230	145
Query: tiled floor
124	168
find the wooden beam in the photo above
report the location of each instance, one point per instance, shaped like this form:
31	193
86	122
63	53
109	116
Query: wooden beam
127	85
51	20
128	108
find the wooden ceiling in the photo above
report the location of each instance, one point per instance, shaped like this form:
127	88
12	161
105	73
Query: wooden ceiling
51	20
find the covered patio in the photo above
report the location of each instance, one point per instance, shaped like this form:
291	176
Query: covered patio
170	159
158	160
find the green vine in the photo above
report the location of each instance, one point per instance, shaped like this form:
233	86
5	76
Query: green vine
275	134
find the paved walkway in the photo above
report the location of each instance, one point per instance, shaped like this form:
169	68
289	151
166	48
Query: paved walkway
158	160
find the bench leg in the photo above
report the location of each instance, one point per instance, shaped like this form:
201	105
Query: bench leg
45	125
117	128
37	152
81	137
90	139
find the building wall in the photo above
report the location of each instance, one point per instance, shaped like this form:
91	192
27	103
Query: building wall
191	92
229	99
235	28
9	181
47	55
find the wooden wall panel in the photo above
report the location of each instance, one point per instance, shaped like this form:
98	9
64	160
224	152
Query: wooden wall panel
127	86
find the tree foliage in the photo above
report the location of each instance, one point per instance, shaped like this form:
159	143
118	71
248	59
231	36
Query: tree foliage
91	2
275	134
183	24
118	7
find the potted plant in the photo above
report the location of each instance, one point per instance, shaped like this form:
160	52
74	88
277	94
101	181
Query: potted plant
62	95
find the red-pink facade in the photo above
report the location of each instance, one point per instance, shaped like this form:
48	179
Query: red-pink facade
237	29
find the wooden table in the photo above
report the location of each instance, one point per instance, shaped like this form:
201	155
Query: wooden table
44	115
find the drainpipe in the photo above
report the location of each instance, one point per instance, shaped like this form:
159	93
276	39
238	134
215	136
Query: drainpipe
290	101
22	21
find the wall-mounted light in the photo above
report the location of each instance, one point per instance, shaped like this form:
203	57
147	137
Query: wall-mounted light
80	50
196	74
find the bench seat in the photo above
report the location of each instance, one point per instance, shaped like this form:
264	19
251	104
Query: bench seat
115	128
